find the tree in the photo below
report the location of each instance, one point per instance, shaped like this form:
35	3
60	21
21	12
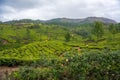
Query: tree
98	29
112	29
67	37
27	36
118	27
84	33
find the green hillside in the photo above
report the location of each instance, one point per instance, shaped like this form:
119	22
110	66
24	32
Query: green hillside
58	52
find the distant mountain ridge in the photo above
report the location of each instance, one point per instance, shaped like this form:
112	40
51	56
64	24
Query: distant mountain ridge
67	21
79	22
84	20
101	19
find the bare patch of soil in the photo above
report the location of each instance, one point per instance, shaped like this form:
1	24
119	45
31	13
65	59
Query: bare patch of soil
4	71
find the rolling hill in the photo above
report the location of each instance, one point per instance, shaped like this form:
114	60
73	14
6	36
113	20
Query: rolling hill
66	21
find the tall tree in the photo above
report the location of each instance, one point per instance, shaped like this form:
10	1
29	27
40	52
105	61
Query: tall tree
67	37
27	33
98	30
112	29
118	27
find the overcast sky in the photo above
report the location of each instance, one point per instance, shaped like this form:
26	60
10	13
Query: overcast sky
48	9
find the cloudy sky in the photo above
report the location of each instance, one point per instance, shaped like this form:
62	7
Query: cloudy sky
48	9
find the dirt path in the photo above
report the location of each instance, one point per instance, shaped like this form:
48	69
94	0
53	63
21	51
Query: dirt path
6	70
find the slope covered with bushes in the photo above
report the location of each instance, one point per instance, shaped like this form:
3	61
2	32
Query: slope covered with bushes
93	65
34	51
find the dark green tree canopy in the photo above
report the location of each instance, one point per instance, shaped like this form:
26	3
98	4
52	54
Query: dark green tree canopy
98	30
67	37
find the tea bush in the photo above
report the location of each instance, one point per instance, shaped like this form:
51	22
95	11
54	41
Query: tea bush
91	65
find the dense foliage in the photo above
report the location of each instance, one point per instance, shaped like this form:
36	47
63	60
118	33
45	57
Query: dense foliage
32	52
53	52
91	65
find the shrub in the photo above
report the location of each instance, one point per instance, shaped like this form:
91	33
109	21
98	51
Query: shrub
92	65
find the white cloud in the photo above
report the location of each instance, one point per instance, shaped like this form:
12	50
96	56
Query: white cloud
47	9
